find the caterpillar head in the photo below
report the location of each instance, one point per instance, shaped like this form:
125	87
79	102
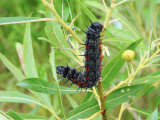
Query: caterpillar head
62	70
96	26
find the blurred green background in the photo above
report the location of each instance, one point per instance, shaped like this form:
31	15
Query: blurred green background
139	13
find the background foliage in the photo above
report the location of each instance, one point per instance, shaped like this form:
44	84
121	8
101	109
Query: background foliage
136	20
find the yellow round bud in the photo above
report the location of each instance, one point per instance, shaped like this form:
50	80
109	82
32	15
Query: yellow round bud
128	55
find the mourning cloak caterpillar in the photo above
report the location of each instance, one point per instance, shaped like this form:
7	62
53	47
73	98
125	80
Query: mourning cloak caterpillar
90	76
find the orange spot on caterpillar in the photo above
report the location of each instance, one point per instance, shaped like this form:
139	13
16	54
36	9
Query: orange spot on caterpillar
101	68
79	83
87	69
84	83
87	57
70	76
74	80
86	77
101	57
100	48
87	46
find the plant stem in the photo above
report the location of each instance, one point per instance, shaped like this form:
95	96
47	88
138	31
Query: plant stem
106	23
93	116
58	19
51	111
102	100
121	111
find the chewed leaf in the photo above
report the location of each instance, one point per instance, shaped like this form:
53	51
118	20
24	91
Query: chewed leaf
42	86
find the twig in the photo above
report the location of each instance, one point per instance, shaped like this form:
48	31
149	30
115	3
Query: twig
104	3
121	111
50	110
97	113
95	93
113	21
70	26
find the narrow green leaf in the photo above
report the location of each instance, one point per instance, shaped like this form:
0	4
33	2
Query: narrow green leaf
8	96
117	15
146	80
52	62
153	116
113	67
144	112
14	115
139	118
88	13
72	101
87	97
14	70
42	86
4	116
122	95
31	117
29	63
116	98
16	20
149	90
84	111
65	10
157	102
155	73
55	34
35	109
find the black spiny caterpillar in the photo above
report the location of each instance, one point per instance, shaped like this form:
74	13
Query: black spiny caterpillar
90	76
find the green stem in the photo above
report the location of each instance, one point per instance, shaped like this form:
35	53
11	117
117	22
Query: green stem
102	100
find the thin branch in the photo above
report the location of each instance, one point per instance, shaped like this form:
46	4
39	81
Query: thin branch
71	24
121	111
155	31
113	21
97	113
96	94
51	111
119	3
104	3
